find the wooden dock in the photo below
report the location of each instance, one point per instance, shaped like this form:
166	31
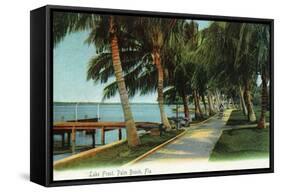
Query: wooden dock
71	128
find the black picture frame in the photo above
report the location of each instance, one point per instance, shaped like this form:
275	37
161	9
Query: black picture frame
41	59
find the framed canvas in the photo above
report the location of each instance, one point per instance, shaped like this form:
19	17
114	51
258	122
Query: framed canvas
123	95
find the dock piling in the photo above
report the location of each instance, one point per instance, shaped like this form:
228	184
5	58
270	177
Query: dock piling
68	138
72	126
120	134
62	140
73	138
94	139
102	136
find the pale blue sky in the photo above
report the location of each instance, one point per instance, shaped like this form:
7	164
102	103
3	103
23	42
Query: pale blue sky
71	57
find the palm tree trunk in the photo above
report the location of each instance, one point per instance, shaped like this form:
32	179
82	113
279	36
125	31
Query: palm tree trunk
185	105
264	102
249	104
242	100
240	104
210	103
132	136
215	103
204	103
197	113
199	106
233	104
227	103
160	87
218	99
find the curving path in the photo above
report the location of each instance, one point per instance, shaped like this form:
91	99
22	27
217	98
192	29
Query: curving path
196	145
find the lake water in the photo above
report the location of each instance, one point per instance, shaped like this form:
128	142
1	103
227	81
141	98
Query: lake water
105	112
109	112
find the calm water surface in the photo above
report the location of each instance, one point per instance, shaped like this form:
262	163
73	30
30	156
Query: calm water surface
105	112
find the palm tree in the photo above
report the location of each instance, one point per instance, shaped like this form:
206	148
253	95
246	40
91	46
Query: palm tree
228	50
158	31
133	139
104	33
264	99
263	42
210	103
200	81
144	68
183	84
180	85
242	58
242	101
250	58
207	59
253	56
181	69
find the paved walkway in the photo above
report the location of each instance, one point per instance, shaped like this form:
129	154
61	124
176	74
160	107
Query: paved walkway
196	145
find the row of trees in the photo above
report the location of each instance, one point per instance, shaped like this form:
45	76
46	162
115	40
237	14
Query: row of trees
174	58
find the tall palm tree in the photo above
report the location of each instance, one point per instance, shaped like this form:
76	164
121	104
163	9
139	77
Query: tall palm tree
210	103
263	42
180	85
207	58
145	71
104	33
228	49
177	63
158	31
252	56
242	101
132	135
242	58
200	81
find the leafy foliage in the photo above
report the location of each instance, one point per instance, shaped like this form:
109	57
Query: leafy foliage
221	57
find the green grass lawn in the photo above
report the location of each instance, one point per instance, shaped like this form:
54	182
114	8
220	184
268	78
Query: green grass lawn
121	154
243	143
238	118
